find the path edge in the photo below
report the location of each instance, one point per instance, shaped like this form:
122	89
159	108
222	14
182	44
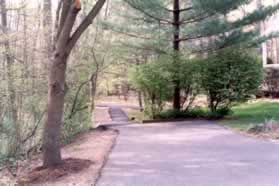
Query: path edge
106	158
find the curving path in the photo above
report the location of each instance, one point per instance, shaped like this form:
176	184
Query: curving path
117	114
189	154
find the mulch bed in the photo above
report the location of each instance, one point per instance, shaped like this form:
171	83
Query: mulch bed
42	174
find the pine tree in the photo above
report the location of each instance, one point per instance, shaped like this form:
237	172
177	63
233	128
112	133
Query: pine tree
176	27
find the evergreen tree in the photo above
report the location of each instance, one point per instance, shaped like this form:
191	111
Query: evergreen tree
191	27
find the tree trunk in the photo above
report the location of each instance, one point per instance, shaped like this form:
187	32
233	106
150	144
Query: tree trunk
176	48
15	137
47	26
140	100
56	95
93	89
57	89
25	48
66	39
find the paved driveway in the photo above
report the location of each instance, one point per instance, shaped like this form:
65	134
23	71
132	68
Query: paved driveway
189	154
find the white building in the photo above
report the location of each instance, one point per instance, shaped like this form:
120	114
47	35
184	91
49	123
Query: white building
270	48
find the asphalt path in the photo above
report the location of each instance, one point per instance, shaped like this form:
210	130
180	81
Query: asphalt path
197	153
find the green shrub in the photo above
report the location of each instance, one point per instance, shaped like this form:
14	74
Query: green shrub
189	78
230	76
76	113
219	113
154	80
196	113
170	114
80	122
179	114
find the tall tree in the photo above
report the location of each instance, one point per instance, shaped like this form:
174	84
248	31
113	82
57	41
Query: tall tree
47	26
182	24
176	47
66	39
13	115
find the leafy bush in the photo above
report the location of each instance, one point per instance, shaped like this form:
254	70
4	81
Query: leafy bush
154	80
179	114
230	76
189	77
219	113
170	114
76	112
75	126
196	113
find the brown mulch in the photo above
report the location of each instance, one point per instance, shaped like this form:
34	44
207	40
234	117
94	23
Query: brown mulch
83	161
43	175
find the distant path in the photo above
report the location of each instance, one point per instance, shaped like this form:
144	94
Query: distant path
117	114
115	105
189	154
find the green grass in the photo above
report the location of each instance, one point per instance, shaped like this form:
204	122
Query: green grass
252	113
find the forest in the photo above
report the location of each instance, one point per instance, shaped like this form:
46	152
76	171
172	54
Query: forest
60	57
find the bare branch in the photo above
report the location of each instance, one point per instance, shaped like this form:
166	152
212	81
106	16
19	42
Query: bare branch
85	24
148	14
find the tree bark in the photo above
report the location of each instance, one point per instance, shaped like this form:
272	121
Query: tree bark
140	100
47	26
56	93
65	41
93	90
176	48
25	47
57	90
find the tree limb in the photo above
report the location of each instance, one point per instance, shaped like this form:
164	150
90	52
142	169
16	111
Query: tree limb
148	14
85	24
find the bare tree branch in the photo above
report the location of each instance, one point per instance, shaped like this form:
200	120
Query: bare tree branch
85	23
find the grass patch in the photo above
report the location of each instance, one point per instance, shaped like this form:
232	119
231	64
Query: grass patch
252	113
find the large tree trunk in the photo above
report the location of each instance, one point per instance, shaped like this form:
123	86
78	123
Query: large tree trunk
93	90
57	90
65	41
176	48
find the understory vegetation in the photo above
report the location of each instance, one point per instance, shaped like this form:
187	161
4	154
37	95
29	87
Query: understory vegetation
226	78
27	32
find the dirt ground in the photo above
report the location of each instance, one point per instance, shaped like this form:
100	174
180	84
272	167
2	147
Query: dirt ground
131	101
85	158
94	146
101	115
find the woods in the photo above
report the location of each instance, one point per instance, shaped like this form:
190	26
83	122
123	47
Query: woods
29	52
61	58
